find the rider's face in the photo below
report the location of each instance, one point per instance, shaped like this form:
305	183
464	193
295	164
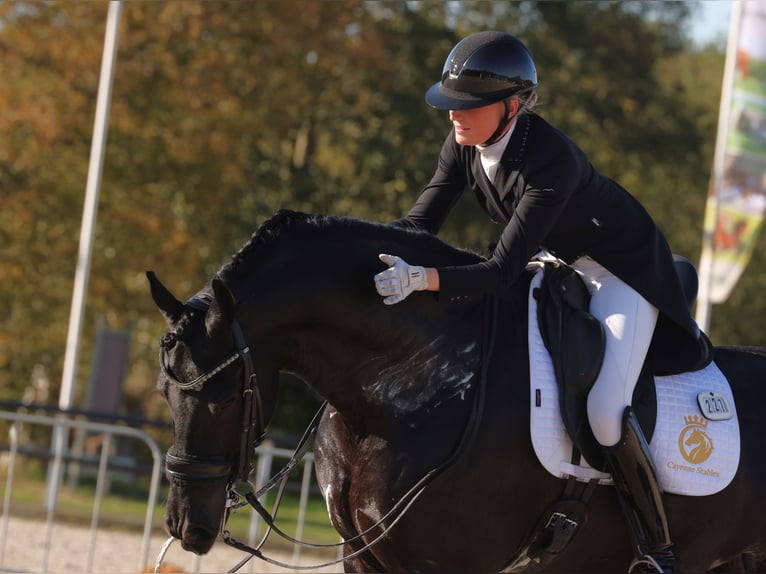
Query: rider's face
475	126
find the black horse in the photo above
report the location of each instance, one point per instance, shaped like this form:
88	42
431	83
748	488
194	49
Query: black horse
411	388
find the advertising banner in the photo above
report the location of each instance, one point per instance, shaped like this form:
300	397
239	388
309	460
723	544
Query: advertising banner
737	198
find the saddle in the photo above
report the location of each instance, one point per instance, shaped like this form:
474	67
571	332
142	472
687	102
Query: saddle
566	352
576	342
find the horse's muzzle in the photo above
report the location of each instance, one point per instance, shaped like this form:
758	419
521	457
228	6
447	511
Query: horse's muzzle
196	538
194	512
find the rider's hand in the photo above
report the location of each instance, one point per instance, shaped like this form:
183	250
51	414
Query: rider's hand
399	280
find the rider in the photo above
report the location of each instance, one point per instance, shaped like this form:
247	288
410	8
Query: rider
533	179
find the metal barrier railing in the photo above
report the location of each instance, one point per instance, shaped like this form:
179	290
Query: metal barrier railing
108	431
267	454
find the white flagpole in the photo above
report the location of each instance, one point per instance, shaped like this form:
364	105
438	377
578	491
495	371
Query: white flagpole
92	191
704	307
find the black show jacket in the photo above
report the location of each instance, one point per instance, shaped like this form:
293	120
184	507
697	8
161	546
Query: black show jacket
547	195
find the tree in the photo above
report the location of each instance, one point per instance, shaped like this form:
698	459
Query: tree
47	102
223	112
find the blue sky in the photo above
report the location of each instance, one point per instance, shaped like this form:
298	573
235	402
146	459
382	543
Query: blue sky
711	20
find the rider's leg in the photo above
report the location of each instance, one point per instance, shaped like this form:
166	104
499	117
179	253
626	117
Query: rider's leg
629	322
640	496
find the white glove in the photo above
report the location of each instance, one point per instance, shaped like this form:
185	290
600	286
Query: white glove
399	280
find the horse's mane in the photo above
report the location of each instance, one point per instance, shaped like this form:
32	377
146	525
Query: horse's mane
269	231
265	235
288	222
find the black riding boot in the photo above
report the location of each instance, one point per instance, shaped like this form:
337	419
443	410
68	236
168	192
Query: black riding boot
635	481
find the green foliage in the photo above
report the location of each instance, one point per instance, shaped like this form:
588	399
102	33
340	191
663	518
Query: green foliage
223	112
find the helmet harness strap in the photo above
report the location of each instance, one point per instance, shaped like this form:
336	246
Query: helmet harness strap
495	137
502	125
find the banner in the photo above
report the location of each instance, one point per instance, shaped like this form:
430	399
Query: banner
737	198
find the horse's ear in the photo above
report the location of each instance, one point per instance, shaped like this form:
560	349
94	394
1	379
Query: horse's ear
170	307
220	314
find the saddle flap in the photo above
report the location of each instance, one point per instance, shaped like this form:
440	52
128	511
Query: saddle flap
574	338
576	343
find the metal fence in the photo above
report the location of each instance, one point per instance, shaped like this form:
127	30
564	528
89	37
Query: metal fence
106	465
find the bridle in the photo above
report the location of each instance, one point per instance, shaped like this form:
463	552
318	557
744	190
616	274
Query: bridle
198	470
190	468
193	469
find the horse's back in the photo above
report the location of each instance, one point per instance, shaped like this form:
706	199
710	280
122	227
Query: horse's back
745	369
745	497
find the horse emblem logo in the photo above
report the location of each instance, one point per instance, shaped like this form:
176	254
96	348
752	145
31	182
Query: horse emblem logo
694	443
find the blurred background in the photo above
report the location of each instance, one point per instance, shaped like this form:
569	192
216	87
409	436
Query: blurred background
224	112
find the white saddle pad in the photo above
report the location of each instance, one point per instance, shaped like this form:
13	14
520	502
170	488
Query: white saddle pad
693	453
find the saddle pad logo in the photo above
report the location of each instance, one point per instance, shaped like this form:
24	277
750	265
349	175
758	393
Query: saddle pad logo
694	444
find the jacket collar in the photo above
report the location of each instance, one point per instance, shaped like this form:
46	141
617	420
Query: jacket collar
517	146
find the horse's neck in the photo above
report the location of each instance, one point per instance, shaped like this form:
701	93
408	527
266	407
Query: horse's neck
394	370
360	355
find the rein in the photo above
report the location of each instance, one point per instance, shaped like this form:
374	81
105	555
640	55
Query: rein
192	469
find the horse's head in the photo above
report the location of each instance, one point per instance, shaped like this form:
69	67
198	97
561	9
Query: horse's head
695	437
302	289
220	399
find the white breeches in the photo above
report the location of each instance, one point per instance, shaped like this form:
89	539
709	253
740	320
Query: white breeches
629	322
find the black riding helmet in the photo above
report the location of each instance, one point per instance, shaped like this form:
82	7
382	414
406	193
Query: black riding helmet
483	68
